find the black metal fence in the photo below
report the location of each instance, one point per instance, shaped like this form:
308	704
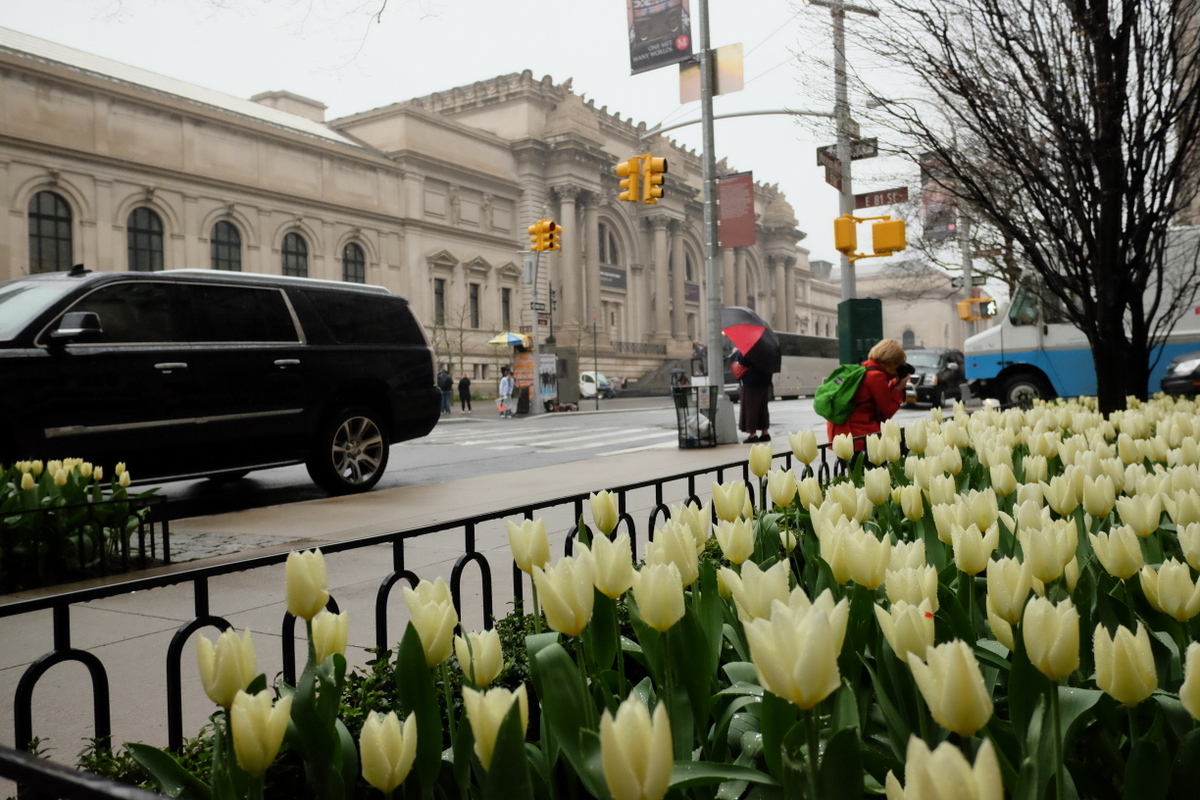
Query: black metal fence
17	768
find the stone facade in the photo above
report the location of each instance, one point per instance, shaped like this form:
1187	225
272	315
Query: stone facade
116	168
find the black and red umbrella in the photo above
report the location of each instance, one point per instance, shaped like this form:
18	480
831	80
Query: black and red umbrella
751	334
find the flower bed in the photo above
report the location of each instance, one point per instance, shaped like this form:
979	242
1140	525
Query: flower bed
59	522
1010	610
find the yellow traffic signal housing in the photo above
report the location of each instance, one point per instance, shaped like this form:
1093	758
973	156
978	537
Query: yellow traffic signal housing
653	170
628	171
976	308
535	236
845	234
542	236
888	237
553	232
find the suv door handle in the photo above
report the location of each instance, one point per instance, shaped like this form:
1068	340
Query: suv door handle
287	362
170	365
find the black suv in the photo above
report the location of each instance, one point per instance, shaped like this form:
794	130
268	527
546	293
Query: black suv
189	373
939	376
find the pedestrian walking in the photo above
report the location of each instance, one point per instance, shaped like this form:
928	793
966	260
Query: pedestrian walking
507	384
446	384
464	393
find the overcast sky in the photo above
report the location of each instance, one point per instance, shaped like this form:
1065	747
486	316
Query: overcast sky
334	51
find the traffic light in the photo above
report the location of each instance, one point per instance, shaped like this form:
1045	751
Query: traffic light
653	170
553	232
627	171
976	308
535	236
845	234
543	236
888	237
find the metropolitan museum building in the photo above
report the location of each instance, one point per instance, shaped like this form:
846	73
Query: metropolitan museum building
115	168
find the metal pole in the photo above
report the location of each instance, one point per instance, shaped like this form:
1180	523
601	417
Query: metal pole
596	359
535	400
841	111
725	428
964	249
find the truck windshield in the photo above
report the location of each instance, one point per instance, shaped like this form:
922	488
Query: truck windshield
22	300
1024	308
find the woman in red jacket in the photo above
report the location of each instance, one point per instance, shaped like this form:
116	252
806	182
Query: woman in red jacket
880	394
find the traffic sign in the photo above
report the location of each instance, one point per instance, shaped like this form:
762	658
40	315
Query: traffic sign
993	251
884	197
538	306
859	149
833	176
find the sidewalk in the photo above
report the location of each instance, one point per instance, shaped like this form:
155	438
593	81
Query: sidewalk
130	632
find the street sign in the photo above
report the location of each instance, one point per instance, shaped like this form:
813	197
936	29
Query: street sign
859	149
833	176
994	251
957	282
976	280
538	306
884	197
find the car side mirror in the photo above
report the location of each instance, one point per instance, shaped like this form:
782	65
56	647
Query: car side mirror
77	326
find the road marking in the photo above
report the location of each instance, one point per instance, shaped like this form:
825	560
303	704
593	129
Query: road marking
593	442
660	446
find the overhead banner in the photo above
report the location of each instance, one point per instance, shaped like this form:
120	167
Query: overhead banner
660	33
735	211
939	209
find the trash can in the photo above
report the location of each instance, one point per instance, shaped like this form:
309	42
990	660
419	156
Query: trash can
695	410
523	400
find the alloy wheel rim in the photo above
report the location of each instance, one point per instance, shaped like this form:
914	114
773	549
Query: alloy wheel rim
357	450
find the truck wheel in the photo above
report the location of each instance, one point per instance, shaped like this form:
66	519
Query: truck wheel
349	452
1023	388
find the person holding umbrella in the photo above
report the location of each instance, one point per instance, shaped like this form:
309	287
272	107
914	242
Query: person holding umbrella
756	357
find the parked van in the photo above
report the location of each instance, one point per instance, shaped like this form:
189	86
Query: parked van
190	373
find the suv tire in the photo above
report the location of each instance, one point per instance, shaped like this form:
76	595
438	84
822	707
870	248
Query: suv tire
350	451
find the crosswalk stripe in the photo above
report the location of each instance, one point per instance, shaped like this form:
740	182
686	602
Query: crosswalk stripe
593	442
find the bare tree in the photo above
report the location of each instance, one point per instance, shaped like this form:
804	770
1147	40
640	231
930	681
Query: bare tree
1070	128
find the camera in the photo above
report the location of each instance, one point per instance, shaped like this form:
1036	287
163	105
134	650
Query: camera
905	370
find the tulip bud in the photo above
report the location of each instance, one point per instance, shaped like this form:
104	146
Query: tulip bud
1189	541
636	752
486	712
227	667
1119	551
1099	496
118	470
1049	550
1004	482
307	583
1189	692
981	508
916	436
1183	506
529	544
972	549
804	445
736	539
387	751
98	474
36	468
760	459
942	490
795	651
694	518
876	449
907	555
431	608
843	446
614	565
658	592
878	485
1036	468
869	558
913	586
912	502
810	492
755	590
85	470
953	687
1141	513
787	539
837	550
1001	630
604	511
1008	584
124	480
258	728
1171	589
907	628
330	633
27	481
60	478
945	773
674	544
1124	664
782	485
567	590
729	499
1051	635
480	656
951	461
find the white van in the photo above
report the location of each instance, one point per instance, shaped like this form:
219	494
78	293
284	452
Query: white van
590	381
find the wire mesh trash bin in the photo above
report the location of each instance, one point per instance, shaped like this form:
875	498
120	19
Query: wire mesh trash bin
695	410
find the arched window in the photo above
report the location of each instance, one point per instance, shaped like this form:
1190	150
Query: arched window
908	339
144	232
609	253
295	256
49	233
689	269
226	246
354	264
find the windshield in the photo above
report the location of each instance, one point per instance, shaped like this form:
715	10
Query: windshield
22	300
923	360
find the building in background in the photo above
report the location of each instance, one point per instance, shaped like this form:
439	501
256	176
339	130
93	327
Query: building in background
117	168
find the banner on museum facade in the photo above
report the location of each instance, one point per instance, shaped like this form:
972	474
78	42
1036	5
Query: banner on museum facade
735	211
660	33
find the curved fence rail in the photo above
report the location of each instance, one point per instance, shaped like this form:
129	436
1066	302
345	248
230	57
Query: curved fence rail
471	562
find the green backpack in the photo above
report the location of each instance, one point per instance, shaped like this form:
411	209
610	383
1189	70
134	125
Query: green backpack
834	399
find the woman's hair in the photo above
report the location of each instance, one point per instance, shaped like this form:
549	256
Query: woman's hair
889	353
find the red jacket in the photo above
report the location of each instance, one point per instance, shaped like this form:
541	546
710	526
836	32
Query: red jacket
878	399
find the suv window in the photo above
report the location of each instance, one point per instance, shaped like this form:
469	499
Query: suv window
134	312
22	301
366	319
240	314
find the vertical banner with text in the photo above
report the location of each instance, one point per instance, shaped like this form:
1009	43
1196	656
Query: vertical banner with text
660	33
939	208
735	211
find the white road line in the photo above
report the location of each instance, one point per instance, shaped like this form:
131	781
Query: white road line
660	446
607	442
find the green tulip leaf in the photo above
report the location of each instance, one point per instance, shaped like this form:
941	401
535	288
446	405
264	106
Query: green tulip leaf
840	776
570	714
601	632
898	730
172	779
703	773
1185	773
414	687
1147	772
776	718
508	775
349	754
731	726
740	672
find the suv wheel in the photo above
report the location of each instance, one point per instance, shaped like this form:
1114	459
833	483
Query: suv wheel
350	451
1023	388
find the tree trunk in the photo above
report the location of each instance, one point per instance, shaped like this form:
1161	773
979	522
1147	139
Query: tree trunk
1115	363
